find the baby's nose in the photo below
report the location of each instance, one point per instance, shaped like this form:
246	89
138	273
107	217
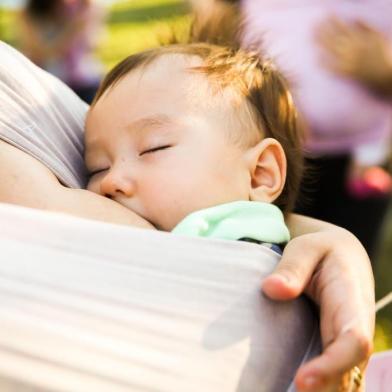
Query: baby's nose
115	184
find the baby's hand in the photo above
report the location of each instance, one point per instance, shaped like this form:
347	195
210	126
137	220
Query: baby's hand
333	269
358	51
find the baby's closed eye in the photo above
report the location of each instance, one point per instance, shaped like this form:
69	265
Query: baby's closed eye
94	172
155	149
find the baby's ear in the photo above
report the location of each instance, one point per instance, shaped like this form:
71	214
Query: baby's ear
267	165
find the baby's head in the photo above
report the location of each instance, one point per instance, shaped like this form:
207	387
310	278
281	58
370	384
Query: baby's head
186	127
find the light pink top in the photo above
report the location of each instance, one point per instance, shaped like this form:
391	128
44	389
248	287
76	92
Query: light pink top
341	114
379	372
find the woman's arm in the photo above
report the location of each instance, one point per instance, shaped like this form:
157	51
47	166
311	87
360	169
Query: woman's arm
26	181
301	225
330	265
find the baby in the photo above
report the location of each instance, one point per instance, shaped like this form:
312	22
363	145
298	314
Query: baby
202	130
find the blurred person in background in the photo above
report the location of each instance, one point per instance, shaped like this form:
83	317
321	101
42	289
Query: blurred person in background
60	37
348	125
359	52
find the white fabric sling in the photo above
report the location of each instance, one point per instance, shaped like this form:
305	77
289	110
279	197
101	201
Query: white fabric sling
88	306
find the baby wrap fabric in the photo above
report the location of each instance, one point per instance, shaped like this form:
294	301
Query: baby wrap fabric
89	306
41	116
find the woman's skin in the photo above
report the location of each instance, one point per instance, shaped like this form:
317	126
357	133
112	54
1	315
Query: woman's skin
358	51
334	269
331	266
27	182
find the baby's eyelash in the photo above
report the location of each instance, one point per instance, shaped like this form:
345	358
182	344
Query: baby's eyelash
155	149
94	172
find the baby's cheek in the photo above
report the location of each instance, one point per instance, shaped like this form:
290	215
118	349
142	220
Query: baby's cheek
93	186
168	211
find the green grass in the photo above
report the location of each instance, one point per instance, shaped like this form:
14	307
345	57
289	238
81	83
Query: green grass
140	24
135	25
6	23
132	26
383	277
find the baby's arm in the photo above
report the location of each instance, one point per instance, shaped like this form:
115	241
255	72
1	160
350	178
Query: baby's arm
332	267
26	181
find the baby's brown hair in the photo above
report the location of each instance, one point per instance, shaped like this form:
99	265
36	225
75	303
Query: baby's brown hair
258	82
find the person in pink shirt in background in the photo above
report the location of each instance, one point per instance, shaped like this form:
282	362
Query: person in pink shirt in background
60	36
347	122
357	51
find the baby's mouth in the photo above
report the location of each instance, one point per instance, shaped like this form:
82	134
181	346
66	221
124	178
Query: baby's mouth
138	211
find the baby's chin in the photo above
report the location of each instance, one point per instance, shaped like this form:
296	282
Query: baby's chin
165	222
159	224
163	225
152	222
163	219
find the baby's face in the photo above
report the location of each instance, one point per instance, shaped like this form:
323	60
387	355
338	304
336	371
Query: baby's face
157	143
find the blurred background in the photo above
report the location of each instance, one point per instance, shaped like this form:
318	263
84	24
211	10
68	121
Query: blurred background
103	32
